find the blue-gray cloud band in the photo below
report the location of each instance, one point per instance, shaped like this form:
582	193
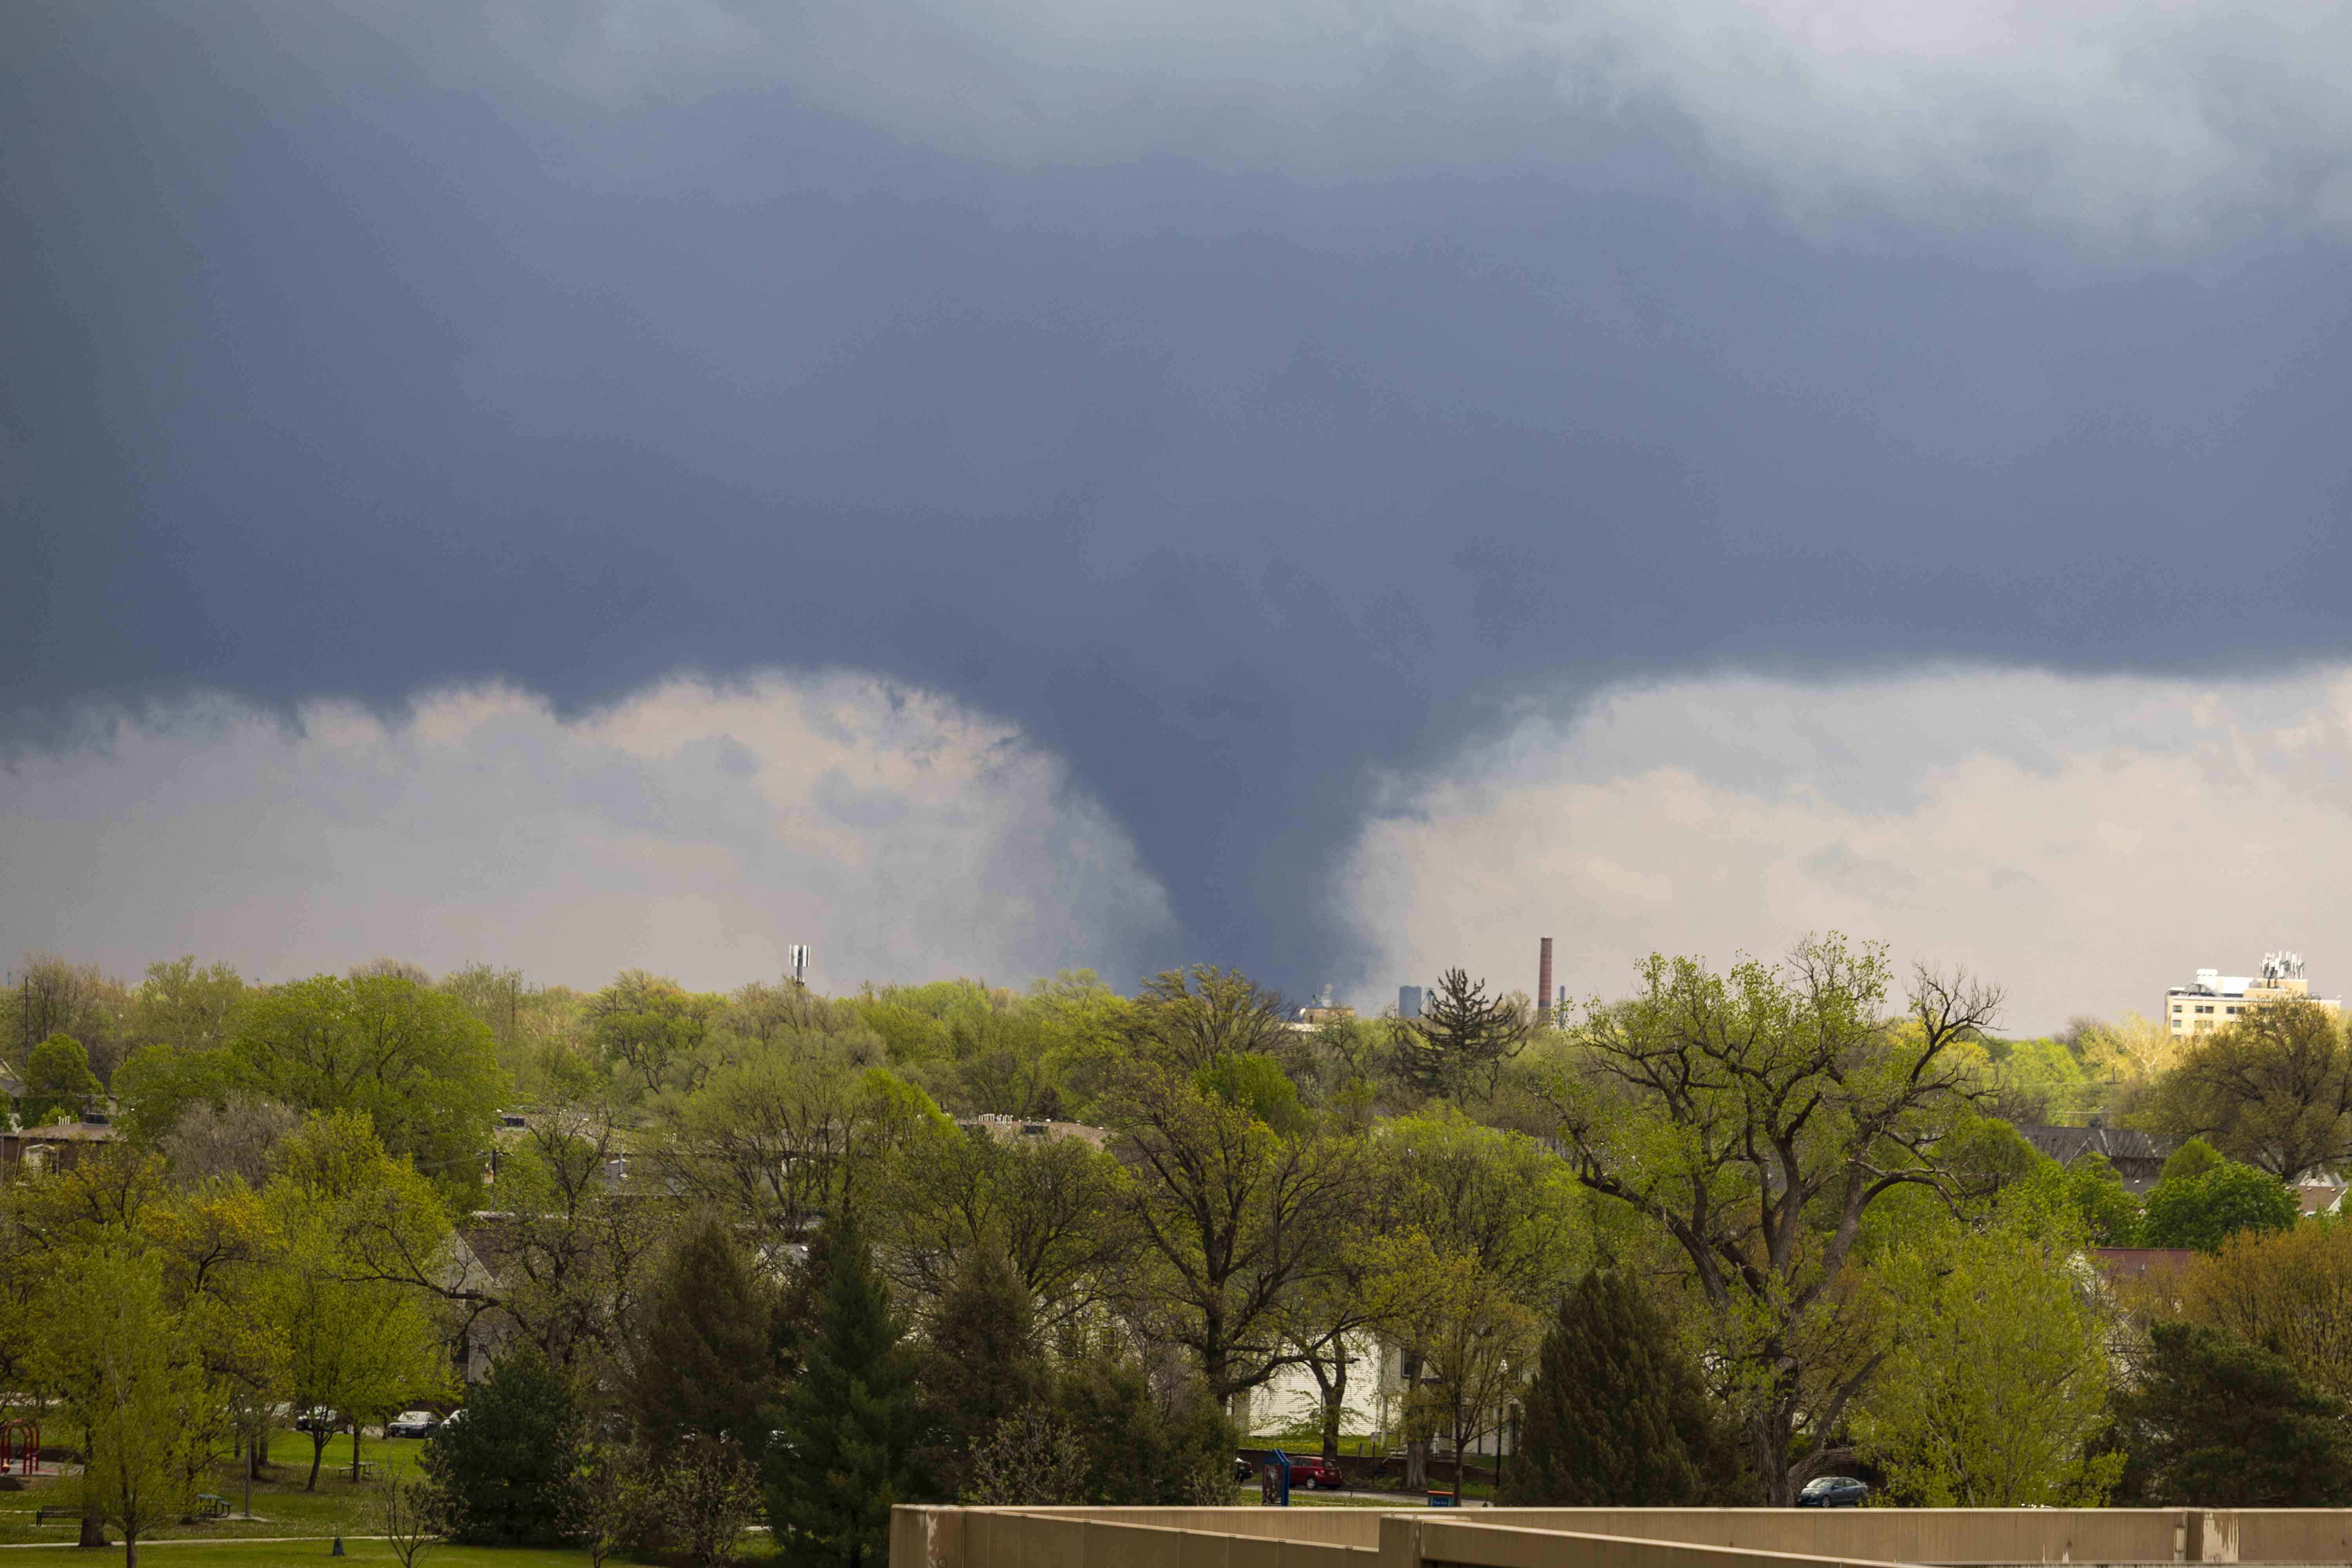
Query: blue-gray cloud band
325	370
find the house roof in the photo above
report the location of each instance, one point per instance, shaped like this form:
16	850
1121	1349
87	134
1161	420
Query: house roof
2138	1262
64	1132
2068	1145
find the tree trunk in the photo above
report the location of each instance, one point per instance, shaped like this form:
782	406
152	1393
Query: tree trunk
1331	1388
319	1437
252	1459
1769	1441
1458	1445
1416	1464
1335	1405
355	1451
93	1525
129	1547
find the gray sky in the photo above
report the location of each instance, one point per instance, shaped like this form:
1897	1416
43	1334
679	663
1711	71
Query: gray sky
1203	450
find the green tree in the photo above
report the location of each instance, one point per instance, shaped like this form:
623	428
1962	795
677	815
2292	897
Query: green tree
2288	1292
507	1470
800	1132
183	1007
846	1428
651	1030
2192	1159
705	1361
2110	1215
1496	1195
158	1086
58	1083
1232	1216
1137	1453
2206	1209
54	995
1756	1116
2214	1422
2272	1090
1049	1207
357	1343
1469	1337
1193	1019
1462	1040
1616	1415
979	1365
1994	1393
575	1251
117	1358
423	1068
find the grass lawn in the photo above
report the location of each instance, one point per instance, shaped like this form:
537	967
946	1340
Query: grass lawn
268	1554
281	1507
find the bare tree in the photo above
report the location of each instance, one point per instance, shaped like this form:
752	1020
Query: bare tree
1756	1116
408	1514
235	1140
561	1262
1031	1459
706	1496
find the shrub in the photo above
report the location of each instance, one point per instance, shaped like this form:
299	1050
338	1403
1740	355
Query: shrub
507	1470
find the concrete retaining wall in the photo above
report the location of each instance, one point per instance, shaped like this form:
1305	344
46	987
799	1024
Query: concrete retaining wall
1410	1537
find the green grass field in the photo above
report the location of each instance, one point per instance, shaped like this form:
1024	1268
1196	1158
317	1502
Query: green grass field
269	1554
282	1507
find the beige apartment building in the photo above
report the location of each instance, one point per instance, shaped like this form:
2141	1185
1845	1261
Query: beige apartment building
2213	998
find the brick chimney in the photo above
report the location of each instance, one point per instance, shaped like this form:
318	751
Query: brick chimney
1543	981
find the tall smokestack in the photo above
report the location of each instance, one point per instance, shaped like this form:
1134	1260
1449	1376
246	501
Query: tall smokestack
1543	981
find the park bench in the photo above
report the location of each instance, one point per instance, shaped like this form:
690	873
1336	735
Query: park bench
210	1505
43	1515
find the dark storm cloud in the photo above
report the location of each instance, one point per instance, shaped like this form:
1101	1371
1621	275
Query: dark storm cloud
322	374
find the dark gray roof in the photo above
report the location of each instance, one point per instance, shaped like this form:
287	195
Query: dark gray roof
2068	1145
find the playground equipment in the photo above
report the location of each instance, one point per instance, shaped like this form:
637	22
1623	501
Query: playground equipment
20	1447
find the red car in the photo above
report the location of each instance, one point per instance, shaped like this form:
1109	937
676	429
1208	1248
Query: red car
1315	1472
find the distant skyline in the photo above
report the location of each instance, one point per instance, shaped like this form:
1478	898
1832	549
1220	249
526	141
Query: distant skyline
1334	490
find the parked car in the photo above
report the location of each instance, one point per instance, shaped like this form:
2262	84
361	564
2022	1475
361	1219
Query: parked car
319	1418
1833	1491
1242	1469
412	1424
1315	1472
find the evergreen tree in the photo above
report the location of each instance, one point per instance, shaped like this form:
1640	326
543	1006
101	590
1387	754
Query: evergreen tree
979	1366
845	1430
706	1362
1136	1456
1614	1417
506	1465
1462	1039
2217	1423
